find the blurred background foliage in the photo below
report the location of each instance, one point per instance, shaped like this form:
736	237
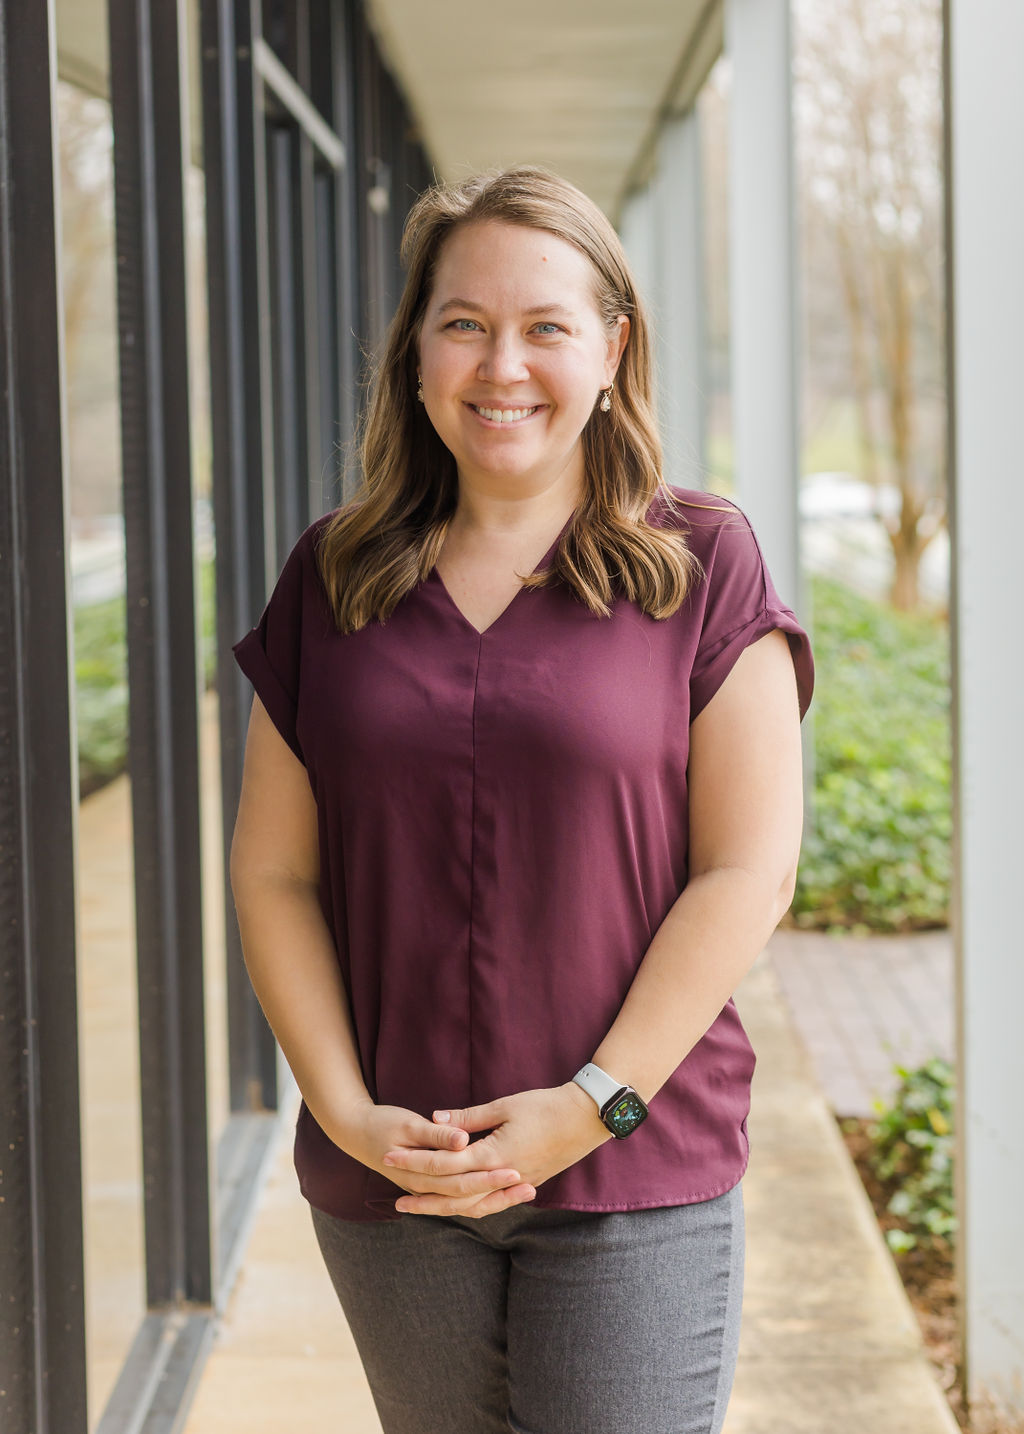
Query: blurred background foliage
912	1154
101	679
877	850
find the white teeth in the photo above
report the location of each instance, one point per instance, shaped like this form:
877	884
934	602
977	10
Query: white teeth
503	415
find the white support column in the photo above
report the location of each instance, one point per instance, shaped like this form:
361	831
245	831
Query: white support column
637	230
985	139
762	279
680	299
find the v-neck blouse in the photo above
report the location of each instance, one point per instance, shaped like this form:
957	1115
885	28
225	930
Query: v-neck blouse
503	826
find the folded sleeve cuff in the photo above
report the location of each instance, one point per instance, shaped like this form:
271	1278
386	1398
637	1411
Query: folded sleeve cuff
251	656
718	663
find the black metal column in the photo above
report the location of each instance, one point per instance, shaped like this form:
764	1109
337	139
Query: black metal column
42	1316
308	298
345	312
291	450
237	318
373	194
145	68
332	323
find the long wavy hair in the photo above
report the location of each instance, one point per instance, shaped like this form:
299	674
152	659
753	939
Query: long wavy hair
388	537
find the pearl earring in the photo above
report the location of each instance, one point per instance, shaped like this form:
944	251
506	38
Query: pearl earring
606	399
419	388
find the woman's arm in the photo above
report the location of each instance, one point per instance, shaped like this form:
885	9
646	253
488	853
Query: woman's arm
293	966
746	814
746	811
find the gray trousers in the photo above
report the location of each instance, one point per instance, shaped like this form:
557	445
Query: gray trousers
545	1321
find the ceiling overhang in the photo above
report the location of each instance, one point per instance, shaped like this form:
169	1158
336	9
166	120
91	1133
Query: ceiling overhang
580	88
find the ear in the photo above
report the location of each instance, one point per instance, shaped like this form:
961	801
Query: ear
616	347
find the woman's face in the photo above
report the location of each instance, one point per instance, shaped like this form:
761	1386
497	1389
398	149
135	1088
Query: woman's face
514	354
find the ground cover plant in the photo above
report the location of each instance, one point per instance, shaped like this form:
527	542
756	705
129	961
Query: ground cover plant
904	1157
101	681
877	848
101	692
912	1154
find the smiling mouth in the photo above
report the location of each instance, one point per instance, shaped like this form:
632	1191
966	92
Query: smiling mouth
505	415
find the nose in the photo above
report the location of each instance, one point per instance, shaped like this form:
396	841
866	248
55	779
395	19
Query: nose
504	361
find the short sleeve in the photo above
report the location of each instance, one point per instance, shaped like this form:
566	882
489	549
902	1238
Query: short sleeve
270	654
740	606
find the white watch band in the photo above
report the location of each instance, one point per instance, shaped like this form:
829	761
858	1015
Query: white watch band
598	1084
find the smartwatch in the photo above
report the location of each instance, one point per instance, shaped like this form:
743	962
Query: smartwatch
619	1106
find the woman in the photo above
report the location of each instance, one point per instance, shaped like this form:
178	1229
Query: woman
521	804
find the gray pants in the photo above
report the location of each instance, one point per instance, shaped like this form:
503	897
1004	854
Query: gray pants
545	1321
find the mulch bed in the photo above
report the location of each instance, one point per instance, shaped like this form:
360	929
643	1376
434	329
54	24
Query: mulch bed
930	1281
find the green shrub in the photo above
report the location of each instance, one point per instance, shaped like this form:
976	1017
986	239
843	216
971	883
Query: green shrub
101	692
912	1149
101	680
206	597
877	850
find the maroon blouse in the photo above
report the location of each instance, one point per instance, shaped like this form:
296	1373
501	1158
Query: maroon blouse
503	827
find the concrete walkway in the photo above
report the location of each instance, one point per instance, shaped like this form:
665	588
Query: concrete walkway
829	1342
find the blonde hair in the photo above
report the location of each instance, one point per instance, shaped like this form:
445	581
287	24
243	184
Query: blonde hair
388	537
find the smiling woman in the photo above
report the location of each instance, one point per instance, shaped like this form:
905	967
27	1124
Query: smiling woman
491	369
521	804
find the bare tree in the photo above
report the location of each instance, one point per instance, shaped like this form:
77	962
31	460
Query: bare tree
85	189
869	97
85	143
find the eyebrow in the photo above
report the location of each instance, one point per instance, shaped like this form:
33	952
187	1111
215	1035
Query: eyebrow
529	313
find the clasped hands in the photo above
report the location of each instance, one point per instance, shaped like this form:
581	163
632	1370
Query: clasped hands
532	1136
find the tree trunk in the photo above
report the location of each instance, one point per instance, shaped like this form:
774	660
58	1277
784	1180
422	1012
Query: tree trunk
909	535
860	364
905	592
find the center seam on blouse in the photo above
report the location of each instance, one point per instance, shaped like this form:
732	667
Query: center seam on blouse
472	875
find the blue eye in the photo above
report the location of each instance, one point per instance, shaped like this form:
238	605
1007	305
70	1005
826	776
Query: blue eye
555	328
456	322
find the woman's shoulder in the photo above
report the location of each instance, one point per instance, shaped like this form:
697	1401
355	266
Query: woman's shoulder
325	520
305	547
705	518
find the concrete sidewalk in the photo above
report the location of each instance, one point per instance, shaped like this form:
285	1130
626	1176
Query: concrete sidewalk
829	1341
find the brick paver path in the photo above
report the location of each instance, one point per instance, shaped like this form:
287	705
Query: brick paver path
864	1005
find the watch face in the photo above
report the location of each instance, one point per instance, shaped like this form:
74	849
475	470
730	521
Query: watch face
626	1114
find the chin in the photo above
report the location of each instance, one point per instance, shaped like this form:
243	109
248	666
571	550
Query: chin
499	465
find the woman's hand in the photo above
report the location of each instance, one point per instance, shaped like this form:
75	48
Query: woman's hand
374	1131
537	1133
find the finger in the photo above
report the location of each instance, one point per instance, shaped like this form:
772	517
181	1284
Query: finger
499	1200
432	1136
481	1155
466	1205
474	1117
475	1183
434	1162
441	1163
